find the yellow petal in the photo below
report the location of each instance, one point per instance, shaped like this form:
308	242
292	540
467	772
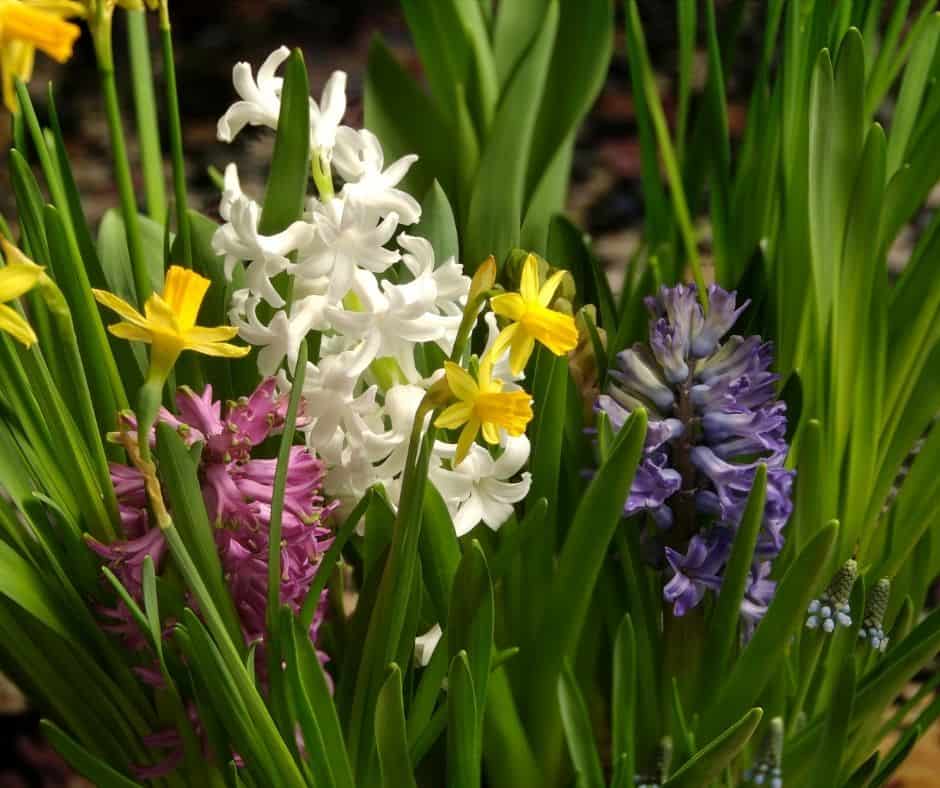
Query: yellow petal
465	441
222	349
557	331
511	305
521	352
160	315
503	339
549	288
18	278
511	410
529	283
490	432
14	324
455	415
120	306
200	335
462	385
184	291
44	30
132	332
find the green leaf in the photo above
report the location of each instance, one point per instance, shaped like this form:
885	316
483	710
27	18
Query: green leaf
437	224
22	583
498	199
179	474
711	760
407	122
463	737
580	735
440	552
624	697
290	163
471	617
579	565
915	81
829	757
767	648
83	761
390	738
723	624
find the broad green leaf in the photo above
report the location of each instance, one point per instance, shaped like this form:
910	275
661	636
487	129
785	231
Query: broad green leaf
290	163
440	552
916	76
767	648
471	618
578	731
407	121
723	624
595	522
498	200
390	739
624	696
711	760
829	757
437	224
179	474
24	585
463	736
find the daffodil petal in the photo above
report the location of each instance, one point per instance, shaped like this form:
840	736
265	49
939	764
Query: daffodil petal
220	349
529	281
18	278
160	315
461	383
119	305
521	351
557	331
454	416
465	441
548	289
490	432
200	335
503	339
130	331
14	324
184	291
510	305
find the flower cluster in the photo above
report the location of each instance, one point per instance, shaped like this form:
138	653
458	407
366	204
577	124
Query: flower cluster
713	420
386	311
237	489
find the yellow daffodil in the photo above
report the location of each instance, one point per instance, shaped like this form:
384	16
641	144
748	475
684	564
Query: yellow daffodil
532	319
169	322
482	404
17	277
28	25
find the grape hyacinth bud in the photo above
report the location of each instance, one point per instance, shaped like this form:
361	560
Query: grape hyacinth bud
832	610
767	770
872	624
713	420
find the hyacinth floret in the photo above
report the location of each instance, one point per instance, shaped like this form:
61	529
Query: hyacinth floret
237	489
832	609
714	419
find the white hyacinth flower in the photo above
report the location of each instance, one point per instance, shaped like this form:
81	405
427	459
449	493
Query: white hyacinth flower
281	337
326	117
479	488
359	160
260	102
240	241
346	238
389	323
450	283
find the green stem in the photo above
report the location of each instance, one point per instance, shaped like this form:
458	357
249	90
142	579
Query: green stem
277	499
176	137
122	175
148	129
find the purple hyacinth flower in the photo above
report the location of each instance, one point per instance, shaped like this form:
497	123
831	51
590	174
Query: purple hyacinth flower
713	418
693	573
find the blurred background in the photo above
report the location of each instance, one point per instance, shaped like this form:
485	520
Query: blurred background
210	37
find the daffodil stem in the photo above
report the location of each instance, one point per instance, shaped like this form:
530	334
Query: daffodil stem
122	177
148	130
148	405
277	504
176	138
